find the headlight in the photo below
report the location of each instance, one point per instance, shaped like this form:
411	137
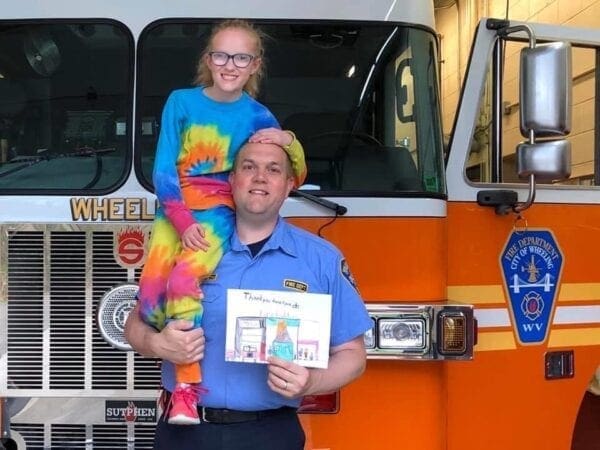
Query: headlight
402	334
434	332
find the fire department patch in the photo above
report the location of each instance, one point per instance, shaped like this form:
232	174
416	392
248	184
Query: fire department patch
130	247
345	269
531	264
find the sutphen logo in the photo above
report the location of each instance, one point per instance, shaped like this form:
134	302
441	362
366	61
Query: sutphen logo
130	247
130	411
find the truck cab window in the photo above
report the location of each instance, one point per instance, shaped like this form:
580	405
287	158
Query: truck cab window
64	106
355	94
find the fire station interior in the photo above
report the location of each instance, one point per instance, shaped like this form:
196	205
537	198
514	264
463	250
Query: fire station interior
66	96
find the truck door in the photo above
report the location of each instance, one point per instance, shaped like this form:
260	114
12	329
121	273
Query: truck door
538	314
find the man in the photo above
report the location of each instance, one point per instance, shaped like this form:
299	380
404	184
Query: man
260	400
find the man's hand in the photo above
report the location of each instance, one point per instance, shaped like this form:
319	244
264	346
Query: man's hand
193	238
346	363
173	343
287	378
178	345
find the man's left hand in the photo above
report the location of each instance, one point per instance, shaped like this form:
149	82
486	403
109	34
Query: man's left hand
287	378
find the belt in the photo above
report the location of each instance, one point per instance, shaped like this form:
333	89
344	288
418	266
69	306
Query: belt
224	415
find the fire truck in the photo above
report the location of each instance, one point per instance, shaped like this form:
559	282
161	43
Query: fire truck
475	255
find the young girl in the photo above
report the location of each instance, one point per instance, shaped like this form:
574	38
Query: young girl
202	129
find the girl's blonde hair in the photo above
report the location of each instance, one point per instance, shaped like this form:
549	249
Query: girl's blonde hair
203	75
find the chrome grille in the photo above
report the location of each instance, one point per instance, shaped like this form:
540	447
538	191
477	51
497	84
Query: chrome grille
86	437
32	434
53	277
67	309
25	335
67	436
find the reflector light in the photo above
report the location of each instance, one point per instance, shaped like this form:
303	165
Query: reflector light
400	333
320	404
453	333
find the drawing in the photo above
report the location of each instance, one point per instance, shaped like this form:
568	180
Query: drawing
290	325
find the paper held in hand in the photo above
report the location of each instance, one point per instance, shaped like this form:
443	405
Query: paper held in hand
290	325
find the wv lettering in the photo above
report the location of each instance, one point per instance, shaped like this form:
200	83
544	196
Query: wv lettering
529	327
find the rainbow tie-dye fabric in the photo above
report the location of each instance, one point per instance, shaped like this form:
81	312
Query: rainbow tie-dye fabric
199	139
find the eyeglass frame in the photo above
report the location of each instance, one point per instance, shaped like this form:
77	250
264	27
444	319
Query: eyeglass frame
232	58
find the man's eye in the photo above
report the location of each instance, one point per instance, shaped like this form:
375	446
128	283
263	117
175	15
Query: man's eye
274	169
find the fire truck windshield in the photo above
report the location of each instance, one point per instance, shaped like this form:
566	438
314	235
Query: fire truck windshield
361	97
65	96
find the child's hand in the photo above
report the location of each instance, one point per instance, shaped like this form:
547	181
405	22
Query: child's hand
193	238
272	136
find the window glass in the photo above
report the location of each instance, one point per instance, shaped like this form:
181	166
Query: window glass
582	134
65	96
362	99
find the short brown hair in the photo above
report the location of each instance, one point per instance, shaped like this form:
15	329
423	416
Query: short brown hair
203	75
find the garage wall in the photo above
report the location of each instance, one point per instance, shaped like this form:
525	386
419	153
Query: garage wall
456	24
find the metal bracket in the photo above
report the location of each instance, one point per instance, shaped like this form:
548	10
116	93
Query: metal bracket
504	201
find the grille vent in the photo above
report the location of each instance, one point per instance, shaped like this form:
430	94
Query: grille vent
68	436
55	276
32	434
105	437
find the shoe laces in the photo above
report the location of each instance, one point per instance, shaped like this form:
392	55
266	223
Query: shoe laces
189	394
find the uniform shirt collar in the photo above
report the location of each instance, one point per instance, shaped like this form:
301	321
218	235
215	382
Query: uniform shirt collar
280	239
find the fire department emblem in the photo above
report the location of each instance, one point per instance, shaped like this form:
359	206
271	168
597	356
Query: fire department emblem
130	247
531	264
532	305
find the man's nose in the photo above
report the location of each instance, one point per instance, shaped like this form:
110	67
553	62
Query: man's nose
260	174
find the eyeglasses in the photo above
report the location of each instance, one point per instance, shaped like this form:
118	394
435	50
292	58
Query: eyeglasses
240	60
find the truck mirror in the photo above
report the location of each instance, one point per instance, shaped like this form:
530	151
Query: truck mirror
545	90
547	160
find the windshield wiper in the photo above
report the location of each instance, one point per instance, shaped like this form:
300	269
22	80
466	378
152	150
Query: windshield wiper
33	160
339	210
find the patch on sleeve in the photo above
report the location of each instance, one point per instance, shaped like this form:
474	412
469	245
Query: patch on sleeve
296	285
345	269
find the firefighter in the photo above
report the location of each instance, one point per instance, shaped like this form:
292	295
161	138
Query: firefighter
251	406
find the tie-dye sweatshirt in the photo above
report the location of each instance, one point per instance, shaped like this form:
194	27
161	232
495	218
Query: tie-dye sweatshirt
199	138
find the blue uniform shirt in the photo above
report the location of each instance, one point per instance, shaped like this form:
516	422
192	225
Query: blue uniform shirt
290	254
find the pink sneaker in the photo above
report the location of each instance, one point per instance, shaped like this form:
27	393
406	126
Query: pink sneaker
183	407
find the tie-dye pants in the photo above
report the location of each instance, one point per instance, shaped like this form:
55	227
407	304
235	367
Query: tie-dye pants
171	278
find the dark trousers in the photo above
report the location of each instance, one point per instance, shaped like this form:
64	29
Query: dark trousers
280	432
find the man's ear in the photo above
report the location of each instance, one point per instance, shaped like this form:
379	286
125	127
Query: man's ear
290	185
